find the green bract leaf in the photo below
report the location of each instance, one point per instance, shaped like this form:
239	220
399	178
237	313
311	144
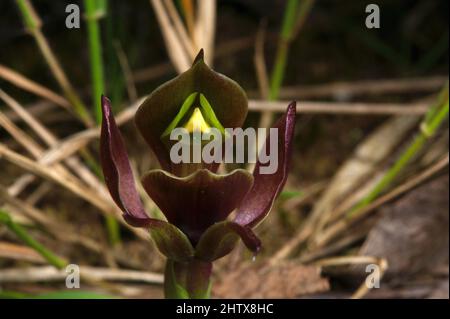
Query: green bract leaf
220	239
172	242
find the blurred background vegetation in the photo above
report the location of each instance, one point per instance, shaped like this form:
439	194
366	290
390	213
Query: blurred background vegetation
332	59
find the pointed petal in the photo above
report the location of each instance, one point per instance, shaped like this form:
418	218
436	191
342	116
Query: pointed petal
120	182
220	239
195	202
117	171
266	187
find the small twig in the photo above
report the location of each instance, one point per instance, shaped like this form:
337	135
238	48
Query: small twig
181	30
19	252
47	274
356	260
364	87
335	247
177	53
35	109
75	142
223	50
125	66
342	108
307	194
205	28
91	196
28	85
262	75
20	136
188	9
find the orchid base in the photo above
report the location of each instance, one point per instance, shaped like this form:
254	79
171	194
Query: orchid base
187	280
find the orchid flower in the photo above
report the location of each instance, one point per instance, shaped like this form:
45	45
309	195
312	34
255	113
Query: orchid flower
195	200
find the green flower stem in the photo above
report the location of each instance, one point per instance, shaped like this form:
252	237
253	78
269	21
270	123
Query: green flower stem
95	9
187	280
20	232
431	123
33	24
294	15
277	76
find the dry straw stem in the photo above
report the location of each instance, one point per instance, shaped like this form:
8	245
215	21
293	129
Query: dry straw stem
98	195
180	29
51	140
223	50
20	136
364	87
307	194
58	229
260	63
20	253
49	274
188	10
33	25
28	85
36	109
358	175
181	47
38	193
82	191
356	260
58	173
72	144
342	225
362	164
177	53
433	155
48	138
205	28
336	247
125	66
354	108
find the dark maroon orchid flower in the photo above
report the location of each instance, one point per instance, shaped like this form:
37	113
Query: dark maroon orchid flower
195	200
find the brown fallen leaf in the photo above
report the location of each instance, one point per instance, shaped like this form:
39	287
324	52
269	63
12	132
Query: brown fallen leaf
284	280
